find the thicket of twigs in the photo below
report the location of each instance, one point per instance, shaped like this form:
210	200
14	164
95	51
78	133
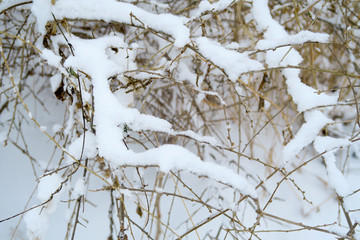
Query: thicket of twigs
251	118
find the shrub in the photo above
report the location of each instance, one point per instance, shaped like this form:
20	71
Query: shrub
193	119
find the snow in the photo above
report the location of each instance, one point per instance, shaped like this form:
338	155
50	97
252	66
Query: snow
356	217
159	190
172	157
41	9
90	149
47	186
37	220
126	193
283	57
30	115
110	112
55	82
70	121
265	22
336	178
79	188
207	161
111	117
305	97
185	73
51	58
299	38
206	6
37	223
275	35
233	63
126	99
315	121
5	4
109	136
211	140
325	144
111	10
